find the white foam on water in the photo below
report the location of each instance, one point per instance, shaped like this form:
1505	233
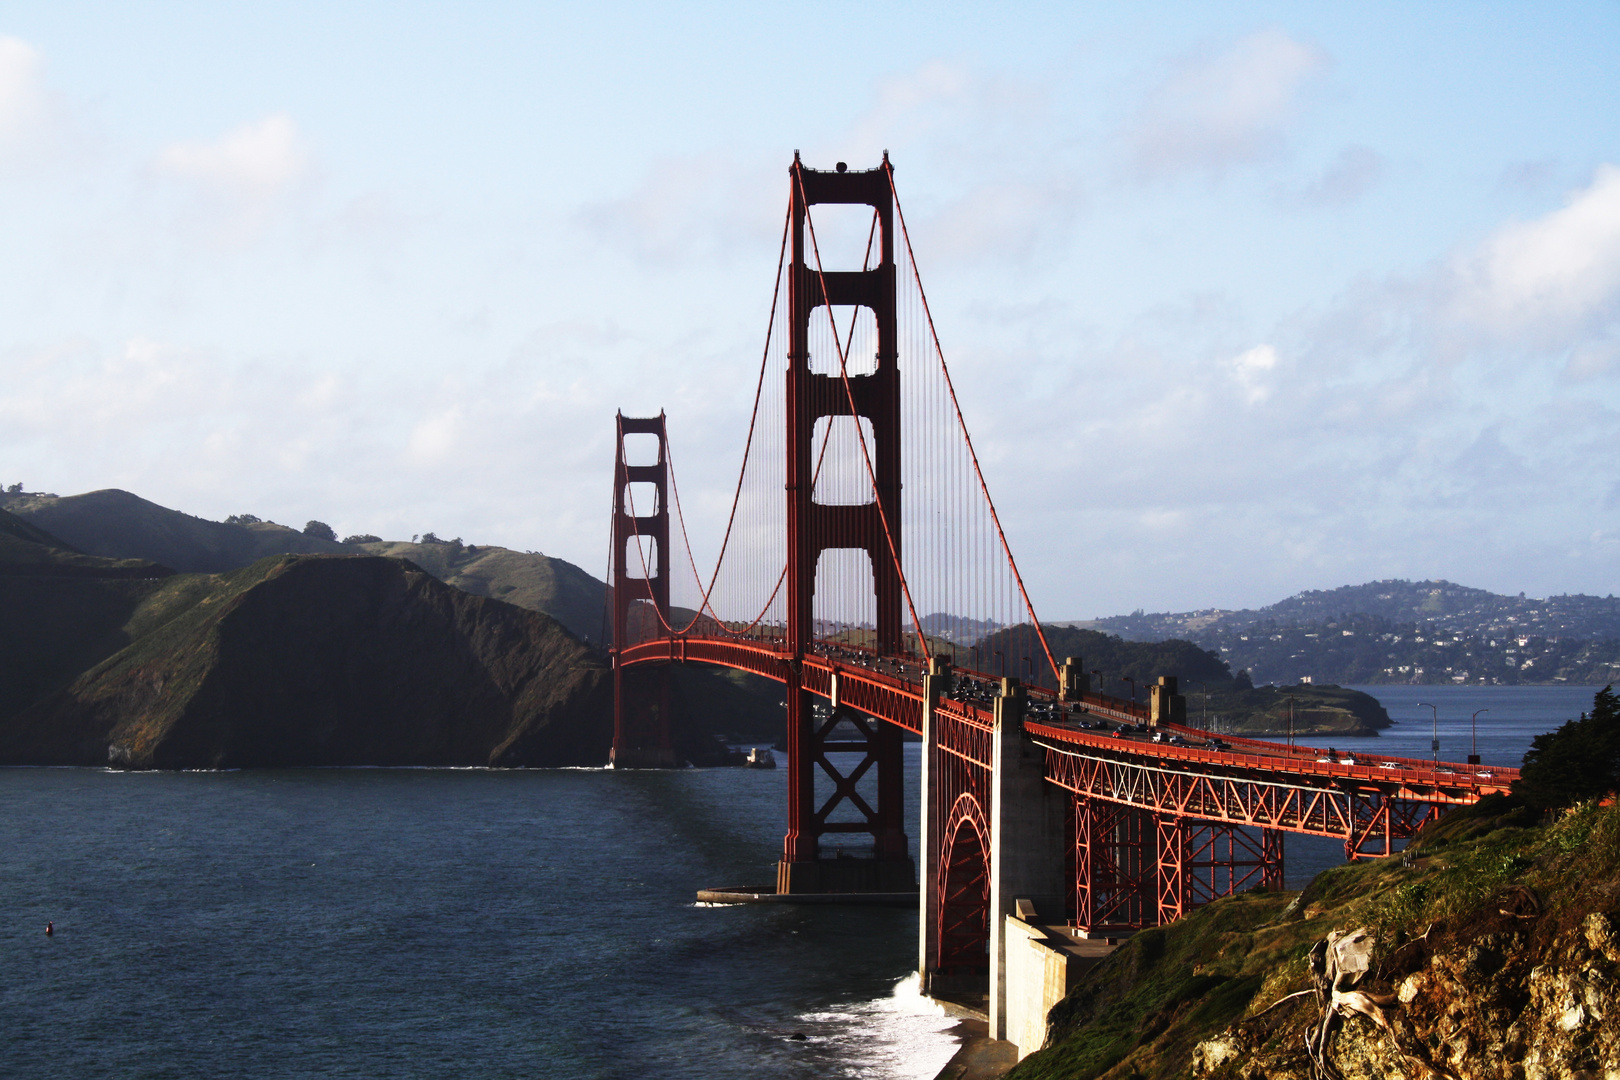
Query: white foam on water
905	1036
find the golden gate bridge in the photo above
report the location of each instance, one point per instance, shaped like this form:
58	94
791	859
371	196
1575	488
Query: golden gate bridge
863	566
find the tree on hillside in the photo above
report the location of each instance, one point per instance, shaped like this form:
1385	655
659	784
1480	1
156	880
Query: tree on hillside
362	538
1015	647
15	489
320	530
243	519
1581	760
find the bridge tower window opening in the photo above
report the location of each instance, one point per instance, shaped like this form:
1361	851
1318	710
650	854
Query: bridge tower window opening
642	448
849	236
845	608
841	478
641	557
857	336
641	499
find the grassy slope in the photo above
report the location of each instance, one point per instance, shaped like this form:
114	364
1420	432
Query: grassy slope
538	582
116	524
1141	1013
114	521
324	661
60	611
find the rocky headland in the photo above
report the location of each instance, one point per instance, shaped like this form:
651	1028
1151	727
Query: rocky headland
273	647
1490	952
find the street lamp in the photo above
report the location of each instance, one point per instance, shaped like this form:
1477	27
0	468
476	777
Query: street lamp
1473	759
1204	719
1132	681
1290	723
1434	747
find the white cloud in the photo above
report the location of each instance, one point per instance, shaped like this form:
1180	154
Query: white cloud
252	160
1250	368
1224	110
435	437
935	94
1353	173
1553	278
694	207
21	99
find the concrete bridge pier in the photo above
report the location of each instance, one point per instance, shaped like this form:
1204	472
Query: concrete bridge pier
1028	840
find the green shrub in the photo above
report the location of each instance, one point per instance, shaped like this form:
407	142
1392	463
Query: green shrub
1579	761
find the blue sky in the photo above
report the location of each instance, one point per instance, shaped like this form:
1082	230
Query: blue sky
1244	299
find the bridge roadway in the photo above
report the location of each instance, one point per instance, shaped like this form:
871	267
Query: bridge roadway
1362	799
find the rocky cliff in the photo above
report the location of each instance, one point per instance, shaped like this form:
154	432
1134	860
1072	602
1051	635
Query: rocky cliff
1492	951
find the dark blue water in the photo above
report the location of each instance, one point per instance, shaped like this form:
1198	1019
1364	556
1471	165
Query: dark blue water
1515	715
425	923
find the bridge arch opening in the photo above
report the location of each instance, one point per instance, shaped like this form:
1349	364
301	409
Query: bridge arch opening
964	894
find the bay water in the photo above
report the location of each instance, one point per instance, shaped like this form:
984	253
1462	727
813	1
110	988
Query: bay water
1509	717
474	923
433	923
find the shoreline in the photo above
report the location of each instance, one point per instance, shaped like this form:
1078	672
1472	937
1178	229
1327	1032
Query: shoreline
979	1057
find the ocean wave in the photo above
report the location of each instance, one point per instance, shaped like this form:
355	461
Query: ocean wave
904	1036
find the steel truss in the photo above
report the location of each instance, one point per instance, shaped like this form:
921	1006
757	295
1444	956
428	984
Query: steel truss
1369	821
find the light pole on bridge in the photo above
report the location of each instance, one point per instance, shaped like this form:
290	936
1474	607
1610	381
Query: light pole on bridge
1434	747
1473	759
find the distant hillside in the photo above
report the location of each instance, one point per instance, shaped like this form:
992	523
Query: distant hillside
27	549
1115	659
1403	632
115	524
300	660
527	579
1215	697
68	618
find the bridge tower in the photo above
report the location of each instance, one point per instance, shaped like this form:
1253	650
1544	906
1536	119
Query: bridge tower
641	734
814	528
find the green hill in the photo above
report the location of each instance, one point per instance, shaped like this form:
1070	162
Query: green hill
115	524
527	579
304	660
355	665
